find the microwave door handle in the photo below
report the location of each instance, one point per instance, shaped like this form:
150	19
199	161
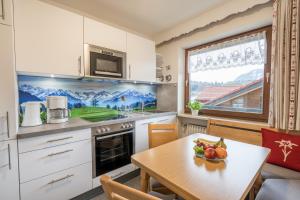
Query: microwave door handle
107	73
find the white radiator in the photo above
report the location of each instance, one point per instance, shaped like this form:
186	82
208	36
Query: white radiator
193	128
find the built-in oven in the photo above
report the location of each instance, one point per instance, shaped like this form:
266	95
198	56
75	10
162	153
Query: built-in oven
103	62
113	146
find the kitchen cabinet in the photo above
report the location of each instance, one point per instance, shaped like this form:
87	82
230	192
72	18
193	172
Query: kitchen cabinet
56	166
99	34
8	89
9	181
40	163
48	39
141	130
6	12
62	185
141	59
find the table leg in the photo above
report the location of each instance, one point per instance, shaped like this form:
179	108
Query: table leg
145	178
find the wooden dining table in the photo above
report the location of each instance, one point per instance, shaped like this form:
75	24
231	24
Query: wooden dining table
175	166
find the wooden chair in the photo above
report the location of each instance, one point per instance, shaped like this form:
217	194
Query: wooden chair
118	191
160	134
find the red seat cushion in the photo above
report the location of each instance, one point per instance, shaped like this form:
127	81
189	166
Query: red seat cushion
285	148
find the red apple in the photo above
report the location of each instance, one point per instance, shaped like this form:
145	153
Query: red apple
210	153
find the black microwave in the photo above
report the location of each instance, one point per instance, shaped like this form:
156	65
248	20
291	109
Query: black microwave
103	62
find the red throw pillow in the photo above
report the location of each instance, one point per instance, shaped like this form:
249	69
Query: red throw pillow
285	148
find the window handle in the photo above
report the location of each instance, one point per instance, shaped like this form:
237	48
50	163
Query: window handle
268	76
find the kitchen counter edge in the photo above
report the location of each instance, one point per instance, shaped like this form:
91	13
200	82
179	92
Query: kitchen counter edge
78	124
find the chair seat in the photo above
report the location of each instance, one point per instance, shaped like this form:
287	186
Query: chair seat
162	196
160	188
279	189
270	171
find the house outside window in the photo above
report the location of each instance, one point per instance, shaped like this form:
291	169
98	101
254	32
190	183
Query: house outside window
230	77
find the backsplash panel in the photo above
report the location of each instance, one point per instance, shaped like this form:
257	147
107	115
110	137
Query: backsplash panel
107	94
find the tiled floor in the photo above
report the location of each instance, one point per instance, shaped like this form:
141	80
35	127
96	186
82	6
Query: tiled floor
134	183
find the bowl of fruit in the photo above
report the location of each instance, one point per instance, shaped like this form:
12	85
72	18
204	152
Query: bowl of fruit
210	150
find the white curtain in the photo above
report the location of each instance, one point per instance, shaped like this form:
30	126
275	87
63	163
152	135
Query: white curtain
247	50
285	69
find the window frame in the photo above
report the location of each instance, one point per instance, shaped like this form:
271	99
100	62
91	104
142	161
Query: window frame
266	86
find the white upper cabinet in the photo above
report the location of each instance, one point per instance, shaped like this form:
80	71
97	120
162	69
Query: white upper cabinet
102	35
141	59
6	12
49	40
7	85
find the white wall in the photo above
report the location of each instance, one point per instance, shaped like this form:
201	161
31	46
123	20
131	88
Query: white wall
173	53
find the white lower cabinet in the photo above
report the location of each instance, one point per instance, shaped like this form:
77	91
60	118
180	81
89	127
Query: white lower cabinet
141	130
62	185
39	163
57	166
9	179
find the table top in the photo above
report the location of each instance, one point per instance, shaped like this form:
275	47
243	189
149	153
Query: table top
175	165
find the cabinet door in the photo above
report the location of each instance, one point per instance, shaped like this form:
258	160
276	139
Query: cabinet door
62	185
102	35
141	59
9	184
6	12
7	85
36	164
49	40
141	135
141	130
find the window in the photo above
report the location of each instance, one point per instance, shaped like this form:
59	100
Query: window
230	77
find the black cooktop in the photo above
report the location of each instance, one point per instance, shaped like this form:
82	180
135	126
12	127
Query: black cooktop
103	118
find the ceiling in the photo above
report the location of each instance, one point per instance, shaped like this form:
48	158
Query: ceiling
148	17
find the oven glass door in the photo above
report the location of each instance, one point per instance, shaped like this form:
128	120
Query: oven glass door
106	65
113	151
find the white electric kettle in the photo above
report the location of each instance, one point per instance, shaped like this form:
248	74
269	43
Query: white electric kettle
31	115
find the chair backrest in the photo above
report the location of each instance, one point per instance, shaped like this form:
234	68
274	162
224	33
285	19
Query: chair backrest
118	191
161	133
236	130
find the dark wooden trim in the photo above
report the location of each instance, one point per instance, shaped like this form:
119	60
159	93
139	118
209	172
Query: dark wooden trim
266	88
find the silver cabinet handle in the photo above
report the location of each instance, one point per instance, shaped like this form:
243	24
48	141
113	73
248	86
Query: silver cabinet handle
7	124
60	179
163	120
61	152
60	139
129	71
3	10
9	159
79	65
147	123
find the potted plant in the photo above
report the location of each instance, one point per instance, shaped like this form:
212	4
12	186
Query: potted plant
195	106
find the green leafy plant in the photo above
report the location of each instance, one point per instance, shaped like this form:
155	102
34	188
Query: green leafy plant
195	105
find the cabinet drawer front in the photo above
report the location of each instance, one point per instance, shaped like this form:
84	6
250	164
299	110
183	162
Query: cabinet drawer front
59	186
43	162
41	142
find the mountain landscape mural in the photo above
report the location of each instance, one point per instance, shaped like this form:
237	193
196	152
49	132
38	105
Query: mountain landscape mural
84	94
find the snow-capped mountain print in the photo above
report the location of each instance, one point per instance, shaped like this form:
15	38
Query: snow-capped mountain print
80	93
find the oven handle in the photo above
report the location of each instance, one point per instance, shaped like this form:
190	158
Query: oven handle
109	136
